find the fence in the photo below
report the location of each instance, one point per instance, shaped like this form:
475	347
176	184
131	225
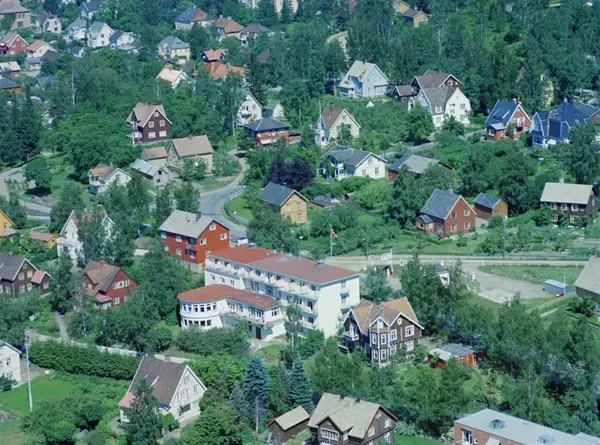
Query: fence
233	216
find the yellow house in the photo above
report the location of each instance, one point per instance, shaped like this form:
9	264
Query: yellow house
47	238
400	7
286	201
6	225
411	15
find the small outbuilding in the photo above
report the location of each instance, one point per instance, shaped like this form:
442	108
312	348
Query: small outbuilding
463	354
288	425
487	206
557	288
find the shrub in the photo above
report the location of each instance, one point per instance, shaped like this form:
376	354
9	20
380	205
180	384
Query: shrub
160	339
170	423
495	221
228	341
5	384
95	438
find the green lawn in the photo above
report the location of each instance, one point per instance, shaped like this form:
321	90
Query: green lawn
239	206
407	440
11	433
535	274
42	388
271	351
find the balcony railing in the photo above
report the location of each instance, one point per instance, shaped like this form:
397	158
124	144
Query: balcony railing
352	336
252	319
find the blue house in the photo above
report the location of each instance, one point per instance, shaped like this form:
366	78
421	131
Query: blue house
363	80
554	126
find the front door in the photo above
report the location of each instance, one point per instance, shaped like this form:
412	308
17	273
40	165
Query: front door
258	333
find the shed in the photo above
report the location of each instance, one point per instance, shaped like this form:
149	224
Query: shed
462	353
557	287
288	425
487	206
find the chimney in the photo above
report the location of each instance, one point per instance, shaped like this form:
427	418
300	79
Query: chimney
320	263
514	101
198	215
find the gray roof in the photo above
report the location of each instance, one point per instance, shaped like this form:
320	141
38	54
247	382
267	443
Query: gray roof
487	201
359	70
163	376
588	110
501	114
154	153
172	43
438	97
440	203
145	168
92	6
347	413
291	418
275	194
77	24
186	223
266	124
350	156
566	193
96	28
589	278
519	430
432	79
414	164
7	84
10	266
404	90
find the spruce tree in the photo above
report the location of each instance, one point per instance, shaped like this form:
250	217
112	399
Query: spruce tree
300	391
237	402
256	389
145	423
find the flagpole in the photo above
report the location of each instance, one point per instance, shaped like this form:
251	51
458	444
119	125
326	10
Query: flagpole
331	241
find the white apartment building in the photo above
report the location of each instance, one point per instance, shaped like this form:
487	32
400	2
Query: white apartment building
10	366
222	306
323	292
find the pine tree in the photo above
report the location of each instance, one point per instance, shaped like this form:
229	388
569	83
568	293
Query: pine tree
256	389
255	78
300	391
266	13
285	15
145	424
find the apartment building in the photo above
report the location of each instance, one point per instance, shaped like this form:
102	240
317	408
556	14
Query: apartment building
323	292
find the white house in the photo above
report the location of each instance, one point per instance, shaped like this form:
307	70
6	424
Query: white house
69	235
77	30
172	76
48	22
99	35
38	48
249	111
330	123
321	290
158	175
122	40
10	366
103	176
177	388
219	305
363	80
442	103
344	162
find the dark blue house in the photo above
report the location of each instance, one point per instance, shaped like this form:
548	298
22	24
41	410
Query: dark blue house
508	119
554	126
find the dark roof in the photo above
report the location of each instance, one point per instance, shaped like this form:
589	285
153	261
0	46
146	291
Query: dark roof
432	79
350	156
264	56
7	84
557	123
404	90
440	203
115	36
487	201
275	194
412	13
189	14
101	274
254	28
163	376
92	6
49	55
588	110
266	124
501	113
10	266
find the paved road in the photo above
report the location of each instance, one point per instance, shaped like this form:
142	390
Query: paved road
61	322
34	210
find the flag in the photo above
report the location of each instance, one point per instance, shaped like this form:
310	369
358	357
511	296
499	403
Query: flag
333	233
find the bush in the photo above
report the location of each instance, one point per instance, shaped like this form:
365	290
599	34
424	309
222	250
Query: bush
170	423
495	221
5	384
228	341
585	306
82	360
160	339
311	343
95	438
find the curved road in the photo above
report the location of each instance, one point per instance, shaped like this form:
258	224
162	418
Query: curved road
211	204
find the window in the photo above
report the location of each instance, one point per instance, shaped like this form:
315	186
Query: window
330	435
574	207
383	339
343	284
22	288
573	219
155	114
192	254
376	170
29	287
162	134
163	235
313	287
363	172
393	334
388	423
387	437
409	331
195	389
223	236
202	241
162	123
150	124
393	348
311	320
232	283
453	215
116	300
213	227
375	354
554	206
438	109
467	212
274	312
462	106
410	346
178	238
371	431
186	379
467	225
45	285
373	338
467	436
212	277
383	354
152	135
208	323
370	161
178	252
166	248
564	207
21	276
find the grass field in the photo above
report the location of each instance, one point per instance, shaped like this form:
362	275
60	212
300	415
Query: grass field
11	433
43	388
535	274
238	206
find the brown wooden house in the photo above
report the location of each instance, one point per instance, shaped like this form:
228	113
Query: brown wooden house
487	206
18	275
572	201
288	425
149	123
446	213
286	201
107	283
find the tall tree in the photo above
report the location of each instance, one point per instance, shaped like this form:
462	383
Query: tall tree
93	235
300	390
581	156
419	125
256	79
256	389
216	426
407	198
188	197
63	284
37	170
145	423
69	199
266	13
272	231
293	327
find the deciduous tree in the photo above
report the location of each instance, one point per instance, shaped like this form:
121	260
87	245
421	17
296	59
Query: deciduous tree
145	423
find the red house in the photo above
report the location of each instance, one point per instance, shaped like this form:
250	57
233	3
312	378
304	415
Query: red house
508	120
190	236
446	213
269	131
109	284
12	44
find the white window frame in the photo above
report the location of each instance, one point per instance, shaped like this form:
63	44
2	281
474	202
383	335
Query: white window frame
374	338
384	339
178	252
409	331
178	238
223	236
202	241
410	346
393	335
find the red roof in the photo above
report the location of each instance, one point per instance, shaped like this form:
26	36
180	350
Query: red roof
38	276
220	70
244	254
216	292
41	236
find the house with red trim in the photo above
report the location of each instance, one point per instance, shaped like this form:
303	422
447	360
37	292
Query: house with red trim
109	284
12	44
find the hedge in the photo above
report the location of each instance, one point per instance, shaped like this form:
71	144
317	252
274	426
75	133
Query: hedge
82	360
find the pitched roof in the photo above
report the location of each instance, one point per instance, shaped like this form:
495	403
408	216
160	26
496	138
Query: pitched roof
228	25
276	194
92	6
11	7
192	146
192	15
41	236
38	276
3	343
212	55
215	292
404	90
438	97
86	214
412	13
154	153
566	193
170	74
173	43
101	274
331	114
414	163
501	114
96	28
351	156
219	70
589	278
440	203
10	266
346	413
103	171
486	200
36	45
588	110
143	112
254	29
291	418
187	224
432	79
10	36
9	66
266	124
7	84
366	312
360	70
144	167
78	23
450	350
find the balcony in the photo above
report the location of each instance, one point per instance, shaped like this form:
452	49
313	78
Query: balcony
352	336
249	318
308	310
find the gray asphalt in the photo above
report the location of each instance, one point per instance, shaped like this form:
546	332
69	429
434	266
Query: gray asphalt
33	210
212	202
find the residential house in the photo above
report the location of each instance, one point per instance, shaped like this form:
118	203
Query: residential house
343	162
274	109
190	17
589	110
10	86
158	175
220	70
382	329
10	364
322	291
33	64
214	55
415	164
554	126
219	305
508	119
488	427
446	213
193	147
572	201
12	8
443	103
48	239
18	275
77	30
331	123
249	110
293	5
108	284
488	206
69	235
12	44
6	225
269	131
176	387
155	156
588	281
172	76
434	79
99	34
364	80
89	9
289	203
38	49
149	123
288	425
411	15
103	176
10	70
463	354
190	236
124	41
174	49
342	419
48	22
251	32
226	27
402	93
